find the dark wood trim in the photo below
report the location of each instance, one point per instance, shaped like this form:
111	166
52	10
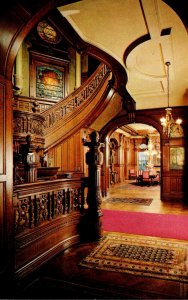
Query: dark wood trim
35	248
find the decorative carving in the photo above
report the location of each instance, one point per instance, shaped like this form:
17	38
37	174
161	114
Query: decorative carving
68	105
33	210
29	104
36	107
94	159
21	212
28	124
48	33
176	131
28	137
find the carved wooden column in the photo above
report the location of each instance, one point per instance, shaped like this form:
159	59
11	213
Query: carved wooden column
28	141
105	172
30	166
78	70
92	225
136	148
128	162
121	158
18	79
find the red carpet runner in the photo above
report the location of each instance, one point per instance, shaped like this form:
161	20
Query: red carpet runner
150	224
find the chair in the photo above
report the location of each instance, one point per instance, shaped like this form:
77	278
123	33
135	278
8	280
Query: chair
139	176
157	179
132	174
146	177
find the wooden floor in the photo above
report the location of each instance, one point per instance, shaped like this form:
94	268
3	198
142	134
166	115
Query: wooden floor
129	188
62	278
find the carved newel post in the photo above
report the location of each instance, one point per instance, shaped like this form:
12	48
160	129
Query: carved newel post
94	158
30	166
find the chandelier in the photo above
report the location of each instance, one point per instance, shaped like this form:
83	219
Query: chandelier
168	122
150	152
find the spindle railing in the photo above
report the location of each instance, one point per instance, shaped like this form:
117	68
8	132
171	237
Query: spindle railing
82	95
39	202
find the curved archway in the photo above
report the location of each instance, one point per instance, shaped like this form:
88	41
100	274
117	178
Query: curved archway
124	120
116	123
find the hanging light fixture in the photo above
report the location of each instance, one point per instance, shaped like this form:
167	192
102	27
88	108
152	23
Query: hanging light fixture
168	122
150	152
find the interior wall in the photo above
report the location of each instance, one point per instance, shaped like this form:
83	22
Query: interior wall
21	71
68	155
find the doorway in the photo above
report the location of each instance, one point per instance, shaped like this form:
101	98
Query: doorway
137	146
133	149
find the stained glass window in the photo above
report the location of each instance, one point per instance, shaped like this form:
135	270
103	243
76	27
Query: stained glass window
49	83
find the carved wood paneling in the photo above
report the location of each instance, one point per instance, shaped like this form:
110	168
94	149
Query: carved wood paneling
25	123
35	248
67	154
80	117
45	202
58	157
72	156
24	103
165	156
23	18
2	197
6	173
165	183
69	104
46	218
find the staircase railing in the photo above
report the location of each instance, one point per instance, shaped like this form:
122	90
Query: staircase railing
38	202
70	104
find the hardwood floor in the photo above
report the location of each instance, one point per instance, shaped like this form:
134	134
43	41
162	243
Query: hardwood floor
130	189
63	278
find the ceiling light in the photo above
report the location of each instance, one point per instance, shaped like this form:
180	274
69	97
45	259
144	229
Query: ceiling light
168	122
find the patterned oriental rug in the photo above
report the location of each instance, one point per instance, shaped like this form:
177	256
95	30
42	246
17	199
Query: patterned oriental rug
137	255
140	201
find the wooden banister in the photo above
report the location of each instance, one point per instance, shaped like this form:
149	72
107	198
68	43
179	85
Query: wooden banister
40	201
64	107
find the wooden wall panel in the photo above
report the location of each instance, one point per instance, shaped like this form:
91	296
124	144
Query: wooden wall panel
173	185
2	122
176	184
2	196
6	175
180	184
131	162
69	154
2	177
59	234
77	151
172	179
58	157
64	156
72	153
165	158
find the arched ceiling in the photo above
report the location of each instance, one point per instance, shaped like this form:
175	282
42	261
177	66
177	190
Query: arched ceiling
141	35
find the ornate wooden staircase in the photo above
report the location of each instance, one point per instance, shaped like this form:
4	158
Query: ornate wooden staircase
78	109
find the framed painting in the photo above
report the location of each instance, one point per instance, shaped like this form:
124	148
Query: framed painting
177	157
